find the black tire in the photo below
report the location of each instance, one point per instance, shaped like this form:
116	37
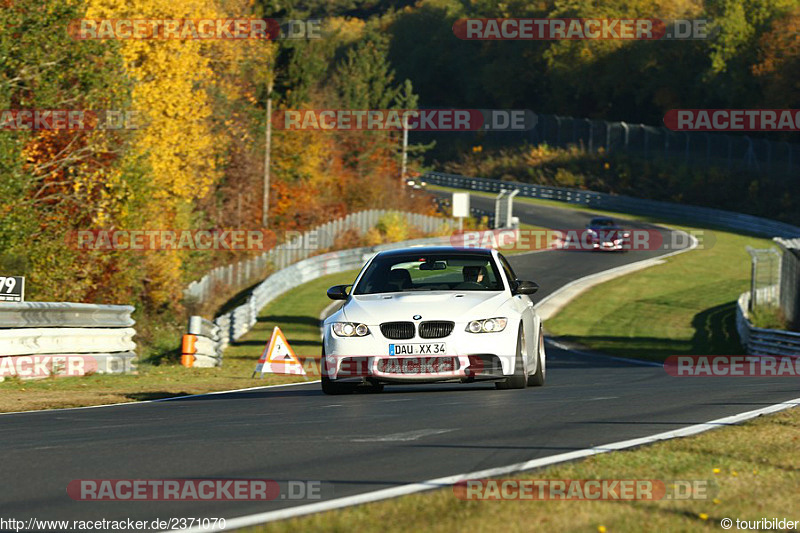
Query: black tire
537	378
331	387
519	380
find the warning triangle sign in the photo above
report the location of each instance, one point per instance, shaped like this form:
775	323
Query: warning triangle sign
278	357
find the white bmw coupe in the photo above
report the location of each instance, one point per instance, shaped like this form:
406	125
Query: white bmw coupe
424	315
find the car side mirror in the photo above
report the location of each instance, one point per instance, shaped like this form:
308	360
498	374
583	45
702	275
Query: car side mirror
525	287
338	292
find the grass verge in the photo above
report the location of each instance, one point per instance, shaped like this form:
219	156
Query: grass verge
751	470
295	312
768	317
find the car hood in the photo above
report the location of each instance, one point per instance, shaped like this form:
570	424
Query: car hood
373	309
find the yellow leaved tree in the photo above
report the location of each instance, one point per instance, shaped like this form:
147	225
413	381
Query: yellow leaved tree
185	133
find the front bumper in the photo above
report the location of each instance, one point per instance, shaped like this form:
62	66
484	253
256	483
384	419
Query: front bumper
468	356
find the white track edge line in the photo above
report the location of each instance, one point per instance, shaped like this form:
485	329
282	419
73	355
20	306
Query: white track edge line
403	490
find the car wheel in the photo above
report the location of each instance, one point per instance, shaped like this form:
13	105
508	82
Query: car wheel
519	380
537	378
331	387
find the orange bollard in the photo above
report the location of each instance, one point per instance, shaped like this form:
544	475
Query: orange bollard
188	349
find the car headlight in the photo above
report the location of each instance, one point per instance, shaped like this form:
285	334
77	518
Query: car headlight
487	325
350	329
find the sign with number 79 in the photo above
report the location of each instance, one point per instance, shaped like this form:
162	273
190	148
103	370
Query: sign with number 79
12	289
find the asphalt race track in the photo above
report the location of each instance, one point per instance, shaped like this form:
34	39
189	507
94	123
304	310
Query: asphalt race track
362	443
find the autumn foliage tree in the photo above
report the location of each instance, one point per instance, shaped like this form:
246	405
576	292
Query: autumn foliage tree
53	181
779	65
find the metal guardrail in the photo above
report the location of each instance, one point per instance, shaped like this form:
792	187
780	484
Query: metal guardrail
760	341
205	344
205	328
36	334
623	204
40	341
63	314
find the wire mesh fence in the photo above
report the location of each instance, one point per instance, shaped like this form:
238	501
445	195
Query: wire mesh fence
623	204
765	275
790	281
694	149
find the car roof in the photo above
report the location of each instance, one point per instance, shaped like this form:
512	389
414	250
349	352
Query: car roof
430	250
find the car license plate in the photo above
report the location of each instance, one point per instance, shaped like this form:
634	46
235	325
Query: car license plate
417	349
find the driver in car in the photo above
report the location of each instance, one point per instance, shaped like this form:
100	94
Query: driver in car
475	274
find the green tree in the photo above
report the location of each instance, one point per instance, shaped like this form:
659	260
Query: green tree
362	81
407	99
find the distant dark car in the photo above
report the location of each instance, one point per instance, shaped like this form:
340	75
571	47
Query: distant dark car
606	235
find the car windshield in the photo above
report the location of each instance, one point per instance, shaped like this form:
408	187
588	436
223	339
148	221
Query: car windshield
602	223
434	272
